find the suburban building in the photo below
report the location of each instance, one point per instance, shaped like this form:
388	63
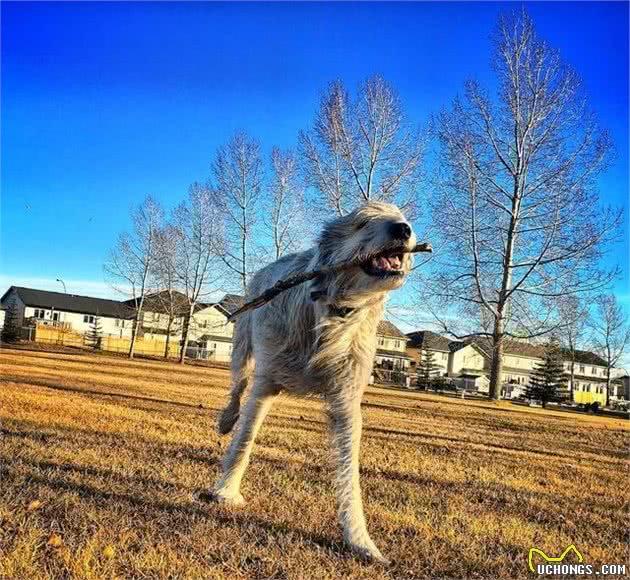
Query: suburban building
69	311
210	334
425	341
468	365
392	361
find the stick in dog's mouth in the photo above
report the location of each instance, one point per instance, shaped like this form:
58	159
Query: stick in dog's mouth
282	285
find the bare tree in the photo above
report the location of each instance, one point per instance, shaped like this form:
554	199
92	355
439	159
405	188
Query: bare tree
198	229
284	207
362	149
168	298
133	260
520	220
611	333
573	311
238	175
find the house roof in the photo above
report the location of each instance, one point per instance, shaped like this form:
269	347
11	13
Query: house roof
231	302
428	340
528	350
586	357
160	302
386	328
71	302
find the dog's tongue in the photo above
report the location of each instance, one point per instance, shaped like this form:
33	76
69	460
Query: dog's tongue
387	263
394	262
382	263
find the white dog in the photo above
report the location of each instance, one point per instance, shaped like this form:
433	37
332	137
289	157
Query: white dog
320	338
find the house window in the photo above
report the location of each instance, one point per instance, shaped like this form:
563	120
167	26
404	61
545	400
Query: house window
55	315
120	323
40	313
444	356
88	319
381	341
593	371
582	369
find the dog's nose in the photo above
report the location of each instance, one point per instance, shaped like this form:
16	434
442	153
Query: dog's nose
400	231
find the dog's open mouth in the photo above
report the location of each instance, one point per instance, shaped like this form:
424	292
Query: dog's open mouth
385	264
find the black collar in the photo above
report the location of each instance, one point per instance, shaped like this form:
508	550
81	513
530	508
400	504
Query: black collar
339	311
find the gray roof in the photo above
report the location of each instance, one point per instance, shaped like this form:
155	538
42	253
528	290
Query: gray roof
428	340
386	328
70	302
231	303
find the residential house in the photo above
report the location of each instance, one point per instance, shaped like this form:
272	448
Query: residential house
392	362
469	365
210	333
69	311
425	341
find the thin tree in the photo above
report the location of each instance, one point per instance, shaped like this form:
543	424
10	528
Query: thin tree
574	316
362	149
548	381
611	334
519	214
168	298
134	259
238	179
284	211
197	224
428	370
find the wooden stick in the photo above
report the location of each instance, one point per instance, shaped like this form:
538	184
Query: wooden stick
297	279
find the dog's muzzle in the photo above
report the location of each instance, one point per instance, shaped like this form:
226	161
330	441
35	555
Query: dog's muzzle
385	264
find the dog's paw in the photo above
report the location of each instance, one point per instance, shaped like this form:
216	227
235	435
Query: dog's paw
227	499
368	552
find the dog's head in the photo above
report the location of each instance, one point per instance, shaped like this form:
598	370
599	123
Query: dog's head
375	230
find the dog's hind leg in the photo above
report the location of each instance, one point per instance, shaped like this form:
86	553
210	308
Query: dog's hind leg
242	368
236	459
345	426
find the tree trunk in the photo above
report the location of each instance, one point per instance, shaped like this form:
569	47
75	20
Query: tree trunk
136	325
496	370
168	336
572	379
186	332
608	381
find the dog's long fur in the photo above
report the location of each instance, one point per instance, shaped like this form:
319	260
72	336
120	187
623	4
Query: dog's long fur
317	338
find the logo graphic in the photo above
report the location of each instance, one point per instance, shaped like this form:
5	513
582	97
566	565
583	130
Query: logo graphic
533	551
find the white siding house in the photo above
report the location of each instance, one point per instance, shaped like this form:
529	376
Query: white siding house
71	311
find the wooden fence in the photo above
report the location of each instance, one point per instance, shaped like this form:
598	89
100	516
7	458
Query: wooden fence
65	337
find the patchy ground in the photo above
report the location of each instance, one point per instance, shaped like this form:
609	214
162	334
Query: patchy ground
101	457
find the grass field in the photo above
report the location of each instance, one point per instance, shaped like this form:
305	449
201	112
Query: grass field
101	458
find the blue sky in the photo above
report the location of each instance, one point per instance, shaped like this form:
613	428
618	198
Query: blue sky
103	103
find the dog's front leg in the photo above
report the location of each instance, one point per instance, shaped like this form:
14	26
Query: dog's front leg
345	424
236	459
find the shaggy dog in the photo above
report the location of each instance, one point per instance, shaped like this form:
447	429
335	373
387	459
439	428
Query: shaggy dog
318	338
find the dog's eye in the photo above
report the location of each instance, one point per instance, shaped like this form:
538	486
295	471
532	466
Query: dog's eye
362	224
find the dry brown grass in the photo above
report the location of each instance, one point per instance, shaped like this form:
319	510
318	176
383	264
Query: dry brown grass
101	458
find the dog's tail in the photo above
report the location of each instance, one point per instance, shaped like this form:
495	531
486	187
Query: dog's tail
242	370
